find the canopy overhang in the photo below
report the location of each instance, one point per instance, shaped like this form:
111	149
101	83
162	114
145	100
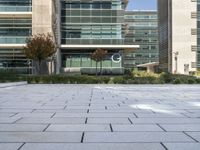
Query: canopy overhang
113	47
15	14
12	45
152	64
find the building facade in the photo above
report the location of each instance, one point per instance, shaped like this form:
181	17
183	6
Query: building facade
78	27
143	31
178	36
15	27
90	25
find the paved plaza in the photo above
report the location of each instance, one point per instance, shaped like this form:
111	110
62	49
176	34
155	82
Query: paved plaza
100	117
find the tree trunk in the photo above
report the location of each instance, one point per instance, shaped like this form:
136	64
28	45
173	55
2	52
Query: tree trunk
101	68
40	62
96	68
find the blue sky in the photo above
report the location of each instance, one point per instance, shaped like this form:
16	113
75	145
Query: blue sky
142	5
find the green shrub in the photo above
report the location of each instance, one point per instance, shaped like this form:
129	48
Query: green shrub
177	81
62	79
118	80
166	77
144	74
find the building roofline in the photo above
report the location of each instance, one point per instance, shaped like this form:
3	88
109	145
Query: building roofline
141	11
149	64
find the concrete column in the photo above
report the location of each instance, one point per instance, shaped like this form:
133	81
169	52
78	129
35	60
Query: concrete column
42	16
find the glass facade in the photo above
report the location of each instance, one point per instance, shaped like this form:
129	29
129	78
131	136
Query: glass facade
15	5
80	60
14	30
92	22
143	31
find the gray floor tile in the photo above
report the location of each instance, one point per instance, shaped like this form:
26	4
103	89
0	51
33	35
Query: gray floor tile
10	146
22	127
182	146
40	137
136	128
181	127
106	137
79	127
103	146
53	120
108	120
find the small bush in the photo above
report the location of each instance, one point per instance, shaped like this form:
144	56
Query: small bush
166	77
177	81
118	80
144	74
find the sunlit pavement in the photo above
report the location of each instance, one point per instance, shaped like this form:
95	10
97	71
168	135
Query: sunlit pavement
100	117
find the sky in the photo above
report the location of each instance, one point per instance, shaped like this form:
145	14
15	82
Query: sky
141	5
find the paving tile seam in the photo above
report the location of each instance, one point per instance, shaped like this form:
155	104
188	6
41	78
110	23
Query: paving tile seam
21	146
46	128
82	137
78	131
99	142
161	127
190	136
163	146
17	120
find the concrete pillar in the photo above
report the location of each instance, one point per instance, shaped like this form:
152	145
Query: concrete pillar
42	16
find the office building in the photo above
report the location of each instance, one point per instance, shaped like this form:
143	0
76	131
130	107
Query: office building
143	31
178	36
79	27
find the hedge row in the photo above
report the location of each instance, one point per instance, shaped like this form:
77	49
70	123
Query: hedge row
163	78
78	79
59	79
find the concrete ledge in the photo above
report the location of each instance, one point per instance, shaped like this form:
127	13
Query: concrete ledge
4	85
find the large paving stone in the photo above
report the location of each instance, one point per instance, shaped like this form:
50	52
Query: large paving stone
7	114
108	120
193	115
165	120
8	120
9	137
15	110
60	111
158	115
95	115
10	146
53	120
47	115
181	127
102	146
136	128
21	127
127	137
79	127
182	146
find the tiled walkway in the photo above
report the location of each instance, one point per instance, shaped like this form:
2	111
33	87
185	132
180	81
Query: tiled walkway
100	117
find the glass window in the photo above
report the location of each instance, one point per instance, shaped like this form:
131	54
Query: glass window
106	5
75	5
96	5
85	5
